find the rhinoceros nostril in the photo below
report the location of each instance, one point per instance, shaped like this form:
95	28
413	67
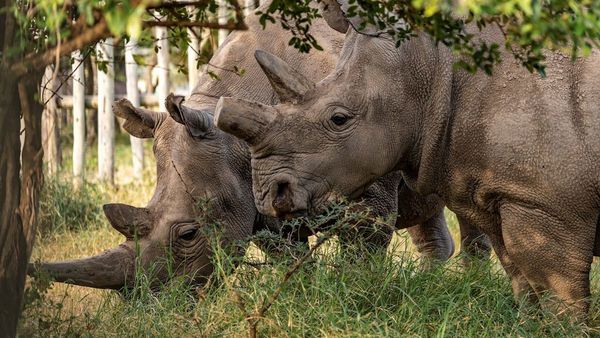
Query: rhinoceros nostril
282	203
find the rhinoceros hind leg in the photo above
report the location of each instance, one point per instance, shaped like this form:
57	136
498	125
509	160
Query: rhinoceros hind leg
475	245
555	262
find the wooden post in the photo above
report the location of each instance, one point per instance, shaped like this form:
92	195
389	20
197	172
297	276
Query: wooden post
106	119
223	14
50	123
162	66
248	7
133	95
192	55
78	116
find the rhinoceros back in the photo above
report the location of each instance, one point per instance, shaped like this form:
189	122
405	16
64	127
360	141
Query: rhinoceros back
237	52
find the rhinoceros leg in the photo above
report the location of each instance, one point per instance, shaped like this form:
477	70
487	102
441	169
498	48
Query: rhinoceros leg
432	239
475	245
552	255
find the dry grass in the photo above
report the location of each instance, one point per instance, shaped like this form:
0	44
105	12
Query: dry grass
353	293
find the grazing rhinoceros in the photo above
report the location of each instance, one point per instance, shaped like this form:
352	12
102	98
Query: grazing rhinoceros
515	154
196	161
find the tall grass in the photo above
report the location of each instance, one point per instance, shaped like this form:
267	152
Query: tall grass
357	292
64	207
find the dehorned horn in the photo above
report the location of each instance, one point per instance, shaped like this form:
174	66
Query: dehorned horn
242	118
111	269
289	85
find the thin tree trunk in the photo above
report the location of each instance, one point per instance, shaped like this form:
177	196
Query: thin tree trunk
162	67
79	120
51	124
106	119
133	94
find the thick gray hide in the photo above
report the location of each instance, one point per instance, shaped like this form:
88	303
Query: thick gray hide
514	154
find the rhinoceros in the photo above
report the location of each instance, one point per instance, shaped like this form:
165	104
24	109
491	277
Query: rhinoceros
196	161
514	154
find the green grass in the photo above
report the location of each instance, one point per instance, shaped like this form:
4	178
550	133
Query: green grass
355	293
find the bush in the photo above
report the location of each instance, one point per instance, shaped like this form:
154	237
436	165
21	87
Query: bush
64	207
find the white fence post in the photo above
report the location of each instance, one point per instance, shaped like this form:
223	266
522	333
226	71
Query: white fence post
133	95
248	7
162	66
78	116
50	122
223	15
192	54
106	119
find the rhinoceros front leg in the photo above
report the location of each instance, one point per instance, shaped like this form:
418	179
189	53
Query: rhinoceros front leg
432	239
553	256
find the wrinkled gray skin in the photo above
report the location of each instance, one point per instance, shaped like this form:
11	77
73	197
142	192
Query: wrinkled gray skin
196	161
514	154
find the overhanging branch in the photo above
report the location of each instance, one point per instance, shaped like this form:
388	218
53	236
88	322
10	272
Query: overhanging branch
210	25
38	61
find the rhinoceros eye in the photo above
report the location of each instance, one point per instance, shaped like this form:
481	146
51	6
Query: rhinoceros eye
188	232
339	119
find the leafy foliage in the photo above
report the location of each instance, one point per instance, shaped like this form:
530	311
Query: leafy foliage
529	26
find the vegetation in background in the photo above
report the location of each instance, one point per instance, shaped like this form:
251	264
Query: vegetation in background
63	207
529	26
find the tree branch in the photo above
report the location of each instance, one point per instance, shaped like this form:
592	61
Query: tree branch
87	37
211	25
179	4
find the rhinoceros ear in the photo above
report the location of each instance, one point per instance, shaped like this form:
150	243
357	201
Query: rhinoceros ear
242	118
199	123
138	122
338	16
334	15
128	220
289	85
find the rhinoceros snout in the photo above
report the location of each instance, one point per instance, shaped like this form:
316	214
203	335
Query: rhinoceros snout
285	200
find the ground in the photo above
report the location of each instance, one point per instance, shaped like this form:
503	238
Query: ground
353	293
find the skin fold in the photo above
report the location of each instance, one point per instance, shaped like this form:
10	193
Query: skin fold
513	154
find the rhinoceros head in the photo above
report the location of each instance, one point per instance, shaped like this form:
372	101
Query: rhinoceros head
203	179
326	139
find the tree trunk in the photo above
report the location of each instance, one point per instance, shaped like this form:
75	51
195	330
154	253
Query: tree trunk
51	124
106	119
32	168
133	95
78	117
162	67
13	246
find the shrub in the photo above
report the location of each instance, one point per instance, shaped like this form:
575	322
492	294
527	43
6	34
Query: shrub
65	207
